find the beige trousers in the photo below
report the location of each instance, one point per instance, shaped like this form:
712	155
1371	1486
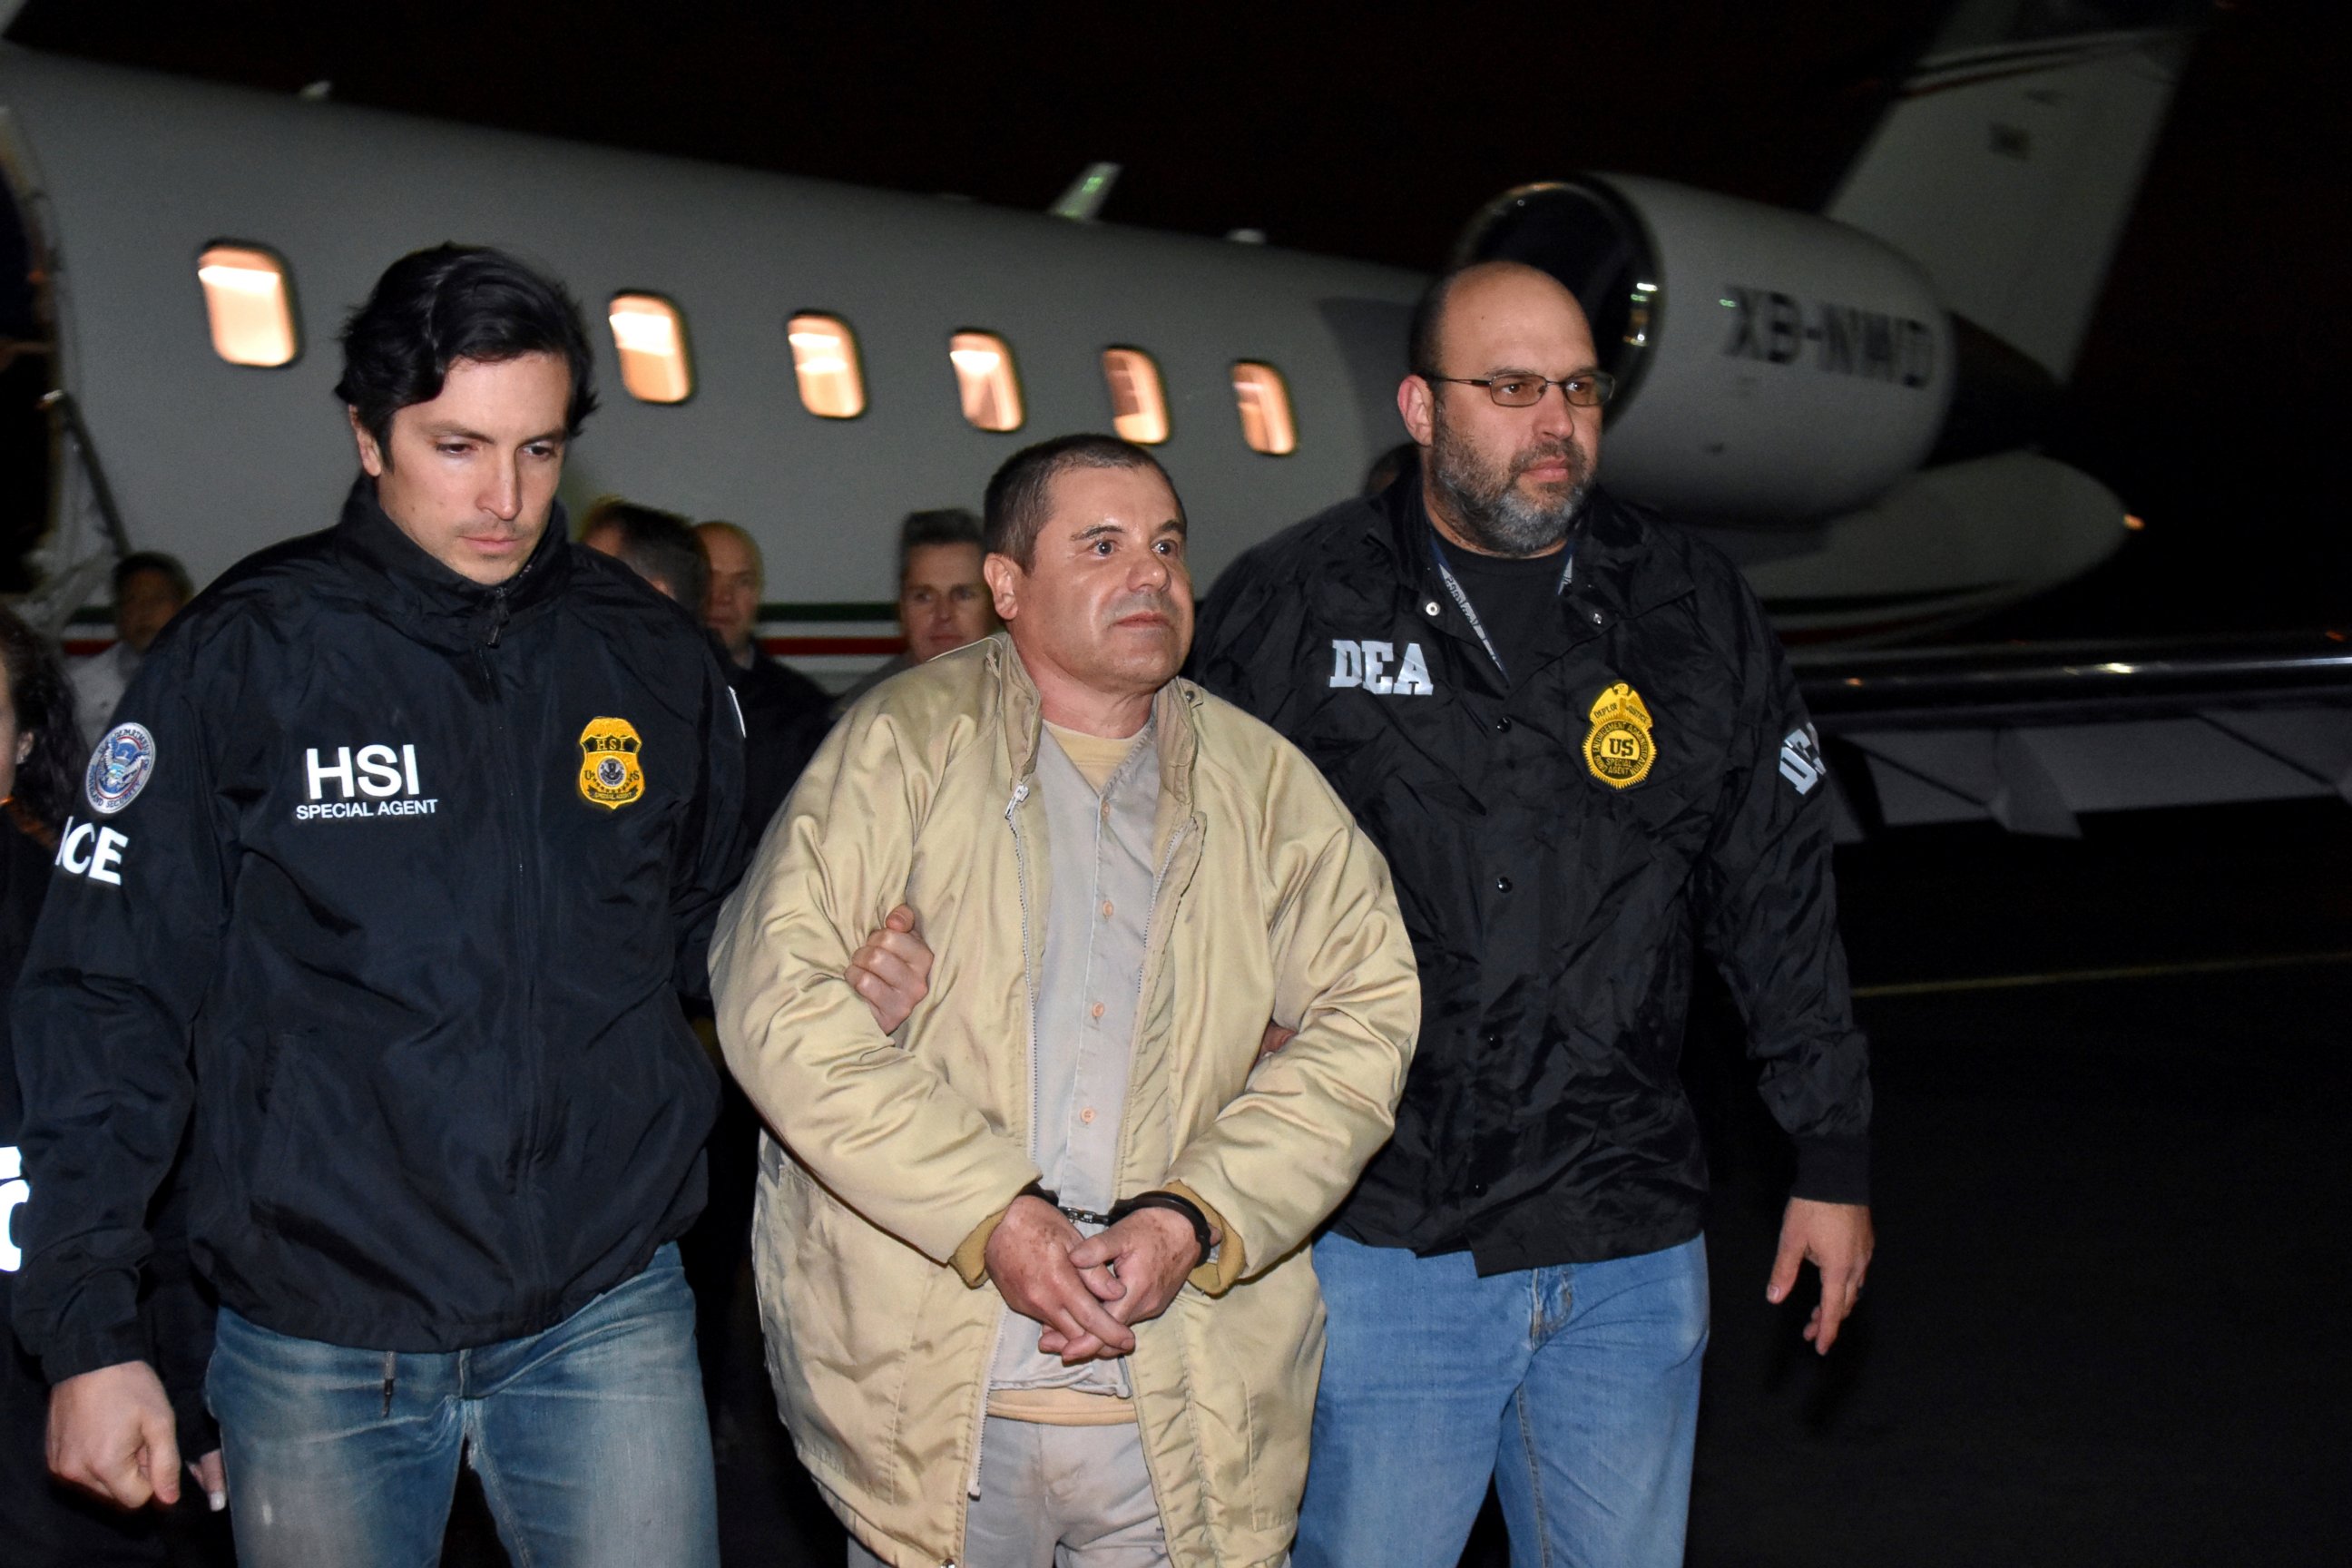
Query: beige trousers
1058	1497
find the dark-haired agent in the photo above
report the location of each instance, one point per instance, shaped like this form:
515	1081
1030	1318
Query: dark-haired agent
390	869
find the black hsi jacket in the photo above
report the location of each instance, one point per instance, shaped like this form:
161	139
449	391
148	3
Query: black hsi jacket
1555	848
418	868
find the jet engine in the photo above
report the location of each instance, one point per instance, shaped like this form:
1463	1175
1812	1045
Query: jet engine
1772	366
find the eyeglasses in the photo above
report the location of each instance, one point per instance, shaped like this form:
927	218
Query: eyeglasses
1585	389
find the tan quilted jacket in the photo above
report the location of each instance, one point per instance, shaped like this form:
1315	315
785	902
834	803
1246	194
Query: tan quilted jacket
896	1148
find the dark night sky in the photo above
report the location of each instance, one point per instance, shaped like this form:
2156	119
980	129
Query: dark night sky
2208	390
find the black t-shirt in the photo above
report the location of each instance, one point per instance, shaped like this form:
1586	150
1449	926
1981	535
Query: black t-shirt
1517	600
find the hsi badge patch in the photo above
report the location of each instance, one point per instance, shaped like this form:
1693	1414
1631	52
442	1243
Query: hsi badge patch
1617	749
609	773
118	768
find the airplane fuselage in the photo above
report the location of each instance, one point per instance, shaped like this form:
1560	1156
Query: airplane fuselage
128	182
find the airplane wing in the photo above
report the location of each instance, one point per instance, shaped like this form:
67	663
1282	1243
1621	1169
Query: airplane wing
2035	736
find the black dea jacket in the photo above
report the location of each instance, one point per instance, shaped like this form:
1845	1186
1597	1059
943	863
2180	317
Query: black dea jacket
1557	845
415	870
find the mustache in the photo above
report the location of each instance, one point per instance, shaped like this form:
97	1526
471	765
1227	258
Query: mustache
1155	602
1567	452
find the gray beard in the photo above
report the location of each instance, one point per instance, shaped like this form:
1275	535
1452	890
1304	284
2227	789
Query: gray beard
1487	505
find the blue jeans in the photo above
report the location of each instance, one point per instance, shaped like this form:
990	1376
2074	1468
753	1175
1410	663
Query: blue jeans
1575	1387
589	1438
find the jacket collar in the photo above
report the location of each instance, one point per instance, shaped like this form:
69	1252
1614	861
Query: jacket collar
1619	569
1619	563
443	607
1174	731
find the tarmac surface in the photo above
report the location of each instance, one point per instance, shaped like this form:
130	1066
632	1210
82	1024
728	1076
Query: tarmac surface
2105	1321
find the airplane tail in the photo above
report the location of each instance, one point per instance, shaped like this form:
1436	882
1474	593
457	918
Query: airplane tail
2008	163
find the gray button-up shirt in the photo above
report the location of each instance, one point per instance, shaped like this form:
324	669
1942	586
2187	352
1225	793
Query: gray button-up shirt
1098	914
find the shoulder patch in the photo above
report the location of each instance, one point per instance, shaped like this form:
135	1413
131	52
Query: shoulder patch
1801	758
118	768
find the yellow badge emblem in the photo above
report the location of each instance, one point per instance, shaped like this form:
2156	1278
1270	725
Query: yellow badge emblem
609	773
1617	749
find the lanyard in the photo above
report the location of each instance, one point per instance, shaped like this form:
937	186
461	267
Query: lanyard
1454	586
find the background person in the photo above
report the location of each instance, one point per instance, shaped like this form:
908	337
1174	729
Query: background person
1030	1264
40	751
150	588
785	713
739	582
944	601
1573	732
49	1524
659	546
411	831
1388	466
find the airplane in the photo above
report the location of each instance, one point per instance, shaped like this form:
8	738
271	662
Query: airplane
1834	398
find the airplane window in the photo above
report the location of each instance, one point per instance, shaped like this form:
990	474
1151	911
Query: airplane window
983	367
1139	409
250	304
1264	404
824	358
651	342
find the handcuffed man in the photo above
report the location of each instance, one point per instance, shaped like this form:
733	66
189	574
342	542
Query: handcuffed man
1034	1264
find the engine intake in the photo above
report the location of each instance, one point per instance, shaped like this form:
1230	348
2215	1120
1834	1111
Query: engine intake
1772	366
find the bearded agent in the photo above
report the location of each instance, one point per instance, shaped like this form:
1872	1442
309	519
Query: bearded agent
1569	728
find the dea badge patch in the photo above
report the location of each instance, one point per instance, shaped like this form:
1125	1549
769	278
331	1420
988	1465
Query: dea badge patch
609	773
1617	749
118	768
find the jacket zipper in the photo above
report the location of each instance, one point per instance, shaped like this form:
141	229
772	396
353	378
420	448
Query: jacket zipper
527	956
1029	982
1028	975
